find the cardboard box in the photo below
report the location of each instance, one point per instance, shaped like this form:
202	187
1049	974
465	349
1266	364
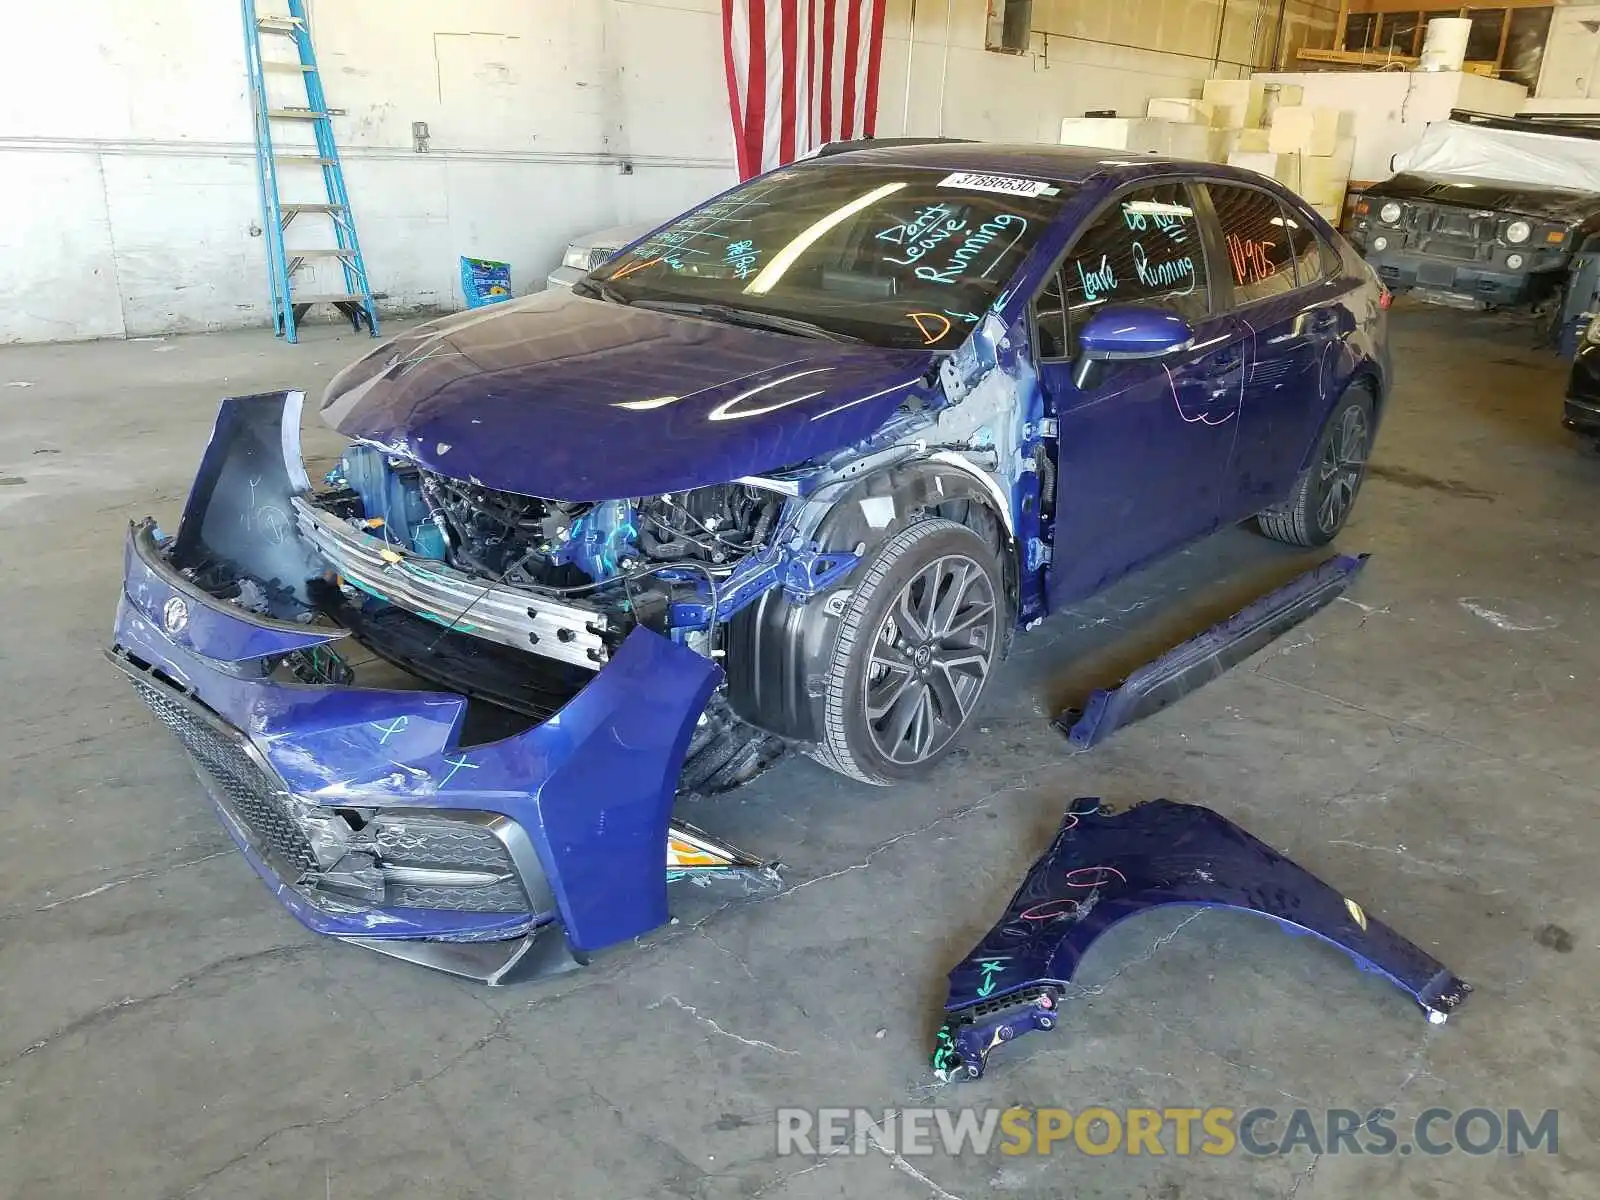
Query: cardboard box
1285	168
1235	103
1185	112
1302	129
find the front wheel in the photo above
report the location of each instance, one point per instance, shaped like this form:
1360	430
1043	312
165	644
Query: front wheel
917	642
1323	496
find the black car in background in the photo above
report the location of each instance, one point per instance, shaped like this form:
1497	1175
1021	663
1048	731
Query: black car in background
1487	242
1581	412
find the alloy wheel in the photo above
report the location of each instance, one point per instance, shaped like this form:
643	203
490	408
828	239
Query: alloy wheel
1340	467
930	658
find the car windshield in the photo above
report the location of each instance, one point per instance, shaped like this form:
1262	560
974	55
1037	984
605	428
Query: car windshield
894	256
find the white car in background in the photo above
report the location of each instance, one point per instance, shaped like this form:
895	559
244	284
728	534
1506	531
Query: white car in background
587	251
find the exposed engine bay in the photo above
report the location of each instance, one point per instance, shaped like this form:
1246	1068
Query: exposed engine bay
568	547
516	600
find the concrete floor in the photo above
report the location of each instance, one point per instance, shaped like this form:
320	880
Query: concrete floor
1427	746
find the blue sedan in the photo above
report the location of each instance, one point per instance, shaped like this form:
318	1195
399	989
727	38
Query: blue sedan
787	472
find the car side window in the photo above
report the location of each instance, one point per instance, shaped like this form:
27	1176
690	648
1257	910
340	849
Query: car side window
1145	249
1260	252
1312	256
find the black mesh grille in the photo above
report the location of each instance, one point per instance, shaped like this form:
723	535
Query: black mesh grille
448	845
260	803
430	842
503	897
249	793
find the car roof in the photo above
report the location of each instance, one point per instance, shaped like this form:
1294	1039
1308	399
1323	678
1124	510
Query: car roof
1039	160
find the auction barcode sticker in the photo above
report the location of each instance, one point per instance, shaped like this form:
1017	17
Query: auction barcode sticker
1009	184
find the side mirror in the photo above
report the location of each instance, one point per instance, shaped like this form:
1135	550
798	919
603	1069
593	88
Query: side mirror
1120	334
1125	334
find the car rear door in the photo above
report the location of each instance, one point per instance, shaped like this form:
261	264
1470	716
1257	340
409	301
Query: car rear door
1286	289
1142	445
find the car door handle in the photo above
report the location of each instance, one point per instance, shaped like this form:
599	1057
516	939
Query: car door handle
1224	361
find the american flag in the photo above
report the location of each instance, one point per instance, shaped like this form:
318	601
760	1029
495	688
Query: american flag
800	73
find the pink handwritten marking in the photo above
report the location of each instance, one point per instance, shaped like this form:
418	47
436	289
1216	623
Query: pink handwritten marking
1050	910
1102	877
1200	418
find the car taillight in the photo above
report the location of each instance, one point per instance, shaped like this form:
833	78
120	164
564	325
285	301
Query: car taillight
1385	297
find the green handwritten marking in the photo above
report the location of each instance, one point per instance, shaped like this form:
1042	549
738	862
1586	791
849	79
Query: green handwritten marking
946	1058
990	969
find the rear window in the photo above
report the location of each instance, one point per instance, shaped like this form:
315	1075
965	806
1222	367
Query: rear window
1314	259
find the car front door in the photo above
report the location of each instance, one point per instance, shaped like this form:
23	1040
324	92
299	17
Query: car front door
1284	293
1142	445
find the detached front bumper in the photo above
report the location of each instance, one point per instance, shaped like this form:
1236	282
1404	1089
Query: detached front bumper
366	815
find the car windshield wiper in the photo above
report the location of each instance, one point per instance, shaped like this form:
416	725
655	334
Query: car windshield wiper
595	290
750	317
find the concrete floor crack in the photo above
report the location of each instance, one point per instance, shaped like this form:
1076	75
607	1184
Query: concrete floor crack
957	814
899	1163
1400	723
688	1165
497	1031
1077	990
1303	1178
112	885
707	1021
107	1013
743	966
1400	850
1200	1048
134	878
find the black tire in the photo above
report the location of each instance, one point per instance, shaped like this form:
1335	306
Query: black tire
942	676
1326	491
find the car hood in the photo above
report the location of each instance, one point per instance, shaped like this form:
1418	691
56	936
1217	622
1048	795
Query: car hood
567	398
1524	199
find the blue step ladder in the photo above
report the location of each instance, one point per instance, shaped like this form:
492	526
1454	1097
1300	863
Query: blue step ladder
295	158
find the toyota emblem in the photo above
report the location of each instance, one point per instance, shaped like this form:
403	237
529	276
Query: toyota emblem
175	614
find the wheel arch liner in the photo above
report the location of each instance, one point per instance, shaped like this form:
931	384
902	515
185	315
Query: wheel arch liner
1104	867
773	642
1194	663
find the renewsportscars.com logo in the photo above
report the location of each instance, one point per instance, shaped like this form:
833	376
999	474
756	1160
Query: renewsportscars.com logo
1180	1132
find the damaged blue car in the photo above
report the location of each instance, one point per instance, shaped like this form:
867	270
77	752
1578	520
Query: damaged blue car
788	473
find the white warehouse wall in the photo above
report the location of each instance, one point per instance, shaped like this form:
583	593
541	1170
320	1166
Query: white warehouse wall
128	202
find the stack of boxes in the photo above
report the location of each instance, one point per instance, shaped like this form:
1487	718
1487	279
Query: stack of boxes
1263	128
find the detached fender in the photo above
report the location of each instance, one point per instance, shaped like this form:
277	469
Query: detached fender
778	650
1103	868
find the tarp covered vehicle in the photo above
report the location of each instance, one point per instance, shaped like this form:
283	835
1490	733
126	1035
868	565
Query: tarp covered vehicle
788	472
1489	212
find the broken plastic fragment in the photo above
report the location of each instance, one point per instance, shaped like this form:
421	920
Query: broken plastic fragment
696	856
1103	867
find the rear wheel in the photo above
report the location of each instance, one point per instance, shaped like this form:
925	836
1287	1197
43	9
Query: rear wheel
1323	496
916	645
